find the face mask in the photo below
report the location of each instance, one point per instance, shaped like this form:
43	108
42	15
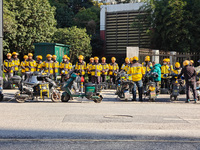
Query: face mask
164	63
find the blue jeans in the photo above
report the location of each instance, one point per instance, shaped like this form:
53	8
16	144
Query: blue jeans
139	84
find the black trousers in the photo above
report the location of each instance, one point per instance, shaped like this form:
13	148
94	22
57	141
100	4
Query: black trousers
192	86
96	79
113	79
164	83
103	78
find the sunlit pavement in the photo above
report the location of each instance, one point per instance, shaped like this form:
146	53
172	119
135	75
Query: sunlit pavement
112	124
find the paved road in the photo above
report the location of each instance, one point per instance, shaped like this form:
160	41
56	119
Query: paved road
112	124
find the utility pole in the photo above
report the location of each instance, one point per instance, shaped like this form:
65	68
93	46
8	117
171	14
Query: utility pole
1	38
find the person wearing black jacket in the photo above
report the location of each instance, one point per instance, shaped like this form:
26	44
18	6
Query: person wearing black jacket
190	79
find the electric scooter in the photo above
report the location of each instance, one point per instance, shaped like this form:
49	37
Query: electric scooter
71	89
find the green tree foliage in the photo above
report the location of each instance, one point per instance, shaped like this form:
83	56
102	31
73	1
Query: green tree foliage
77	38
173	24
30	21
89	18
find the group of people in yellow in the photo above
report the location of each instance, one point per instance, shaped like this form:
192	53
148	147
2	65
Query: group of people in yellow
97	72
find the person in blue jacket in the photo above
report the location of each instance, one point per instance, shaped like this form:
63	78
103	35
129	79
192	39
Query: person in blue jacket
157	78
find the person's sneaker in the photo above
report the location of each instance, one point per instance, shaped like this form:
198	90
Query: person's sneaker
187	101
195	101
133	99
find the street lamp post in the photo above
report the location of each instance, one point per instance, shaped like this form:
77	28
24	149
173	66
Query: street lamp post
1	37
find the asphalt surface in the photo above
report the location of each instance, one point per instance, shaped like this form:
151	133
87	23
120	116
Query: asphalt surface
112	124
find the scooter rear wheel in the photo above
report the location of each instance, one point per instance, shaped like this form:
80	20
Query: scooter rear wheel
55	96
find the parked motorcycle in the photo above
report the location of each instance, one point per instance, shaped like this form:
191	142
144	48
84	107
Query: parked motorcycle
150	86
123	85
37	85
71	89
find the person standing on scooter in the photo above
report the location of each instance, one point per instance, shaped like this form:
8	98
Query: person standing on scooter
88	68
55	67
16	63
48	65
81	66
105	69
65	67
23	67
39	63
8	67
113	70
137	72
156	69
96	69
125	66
190	79
164	70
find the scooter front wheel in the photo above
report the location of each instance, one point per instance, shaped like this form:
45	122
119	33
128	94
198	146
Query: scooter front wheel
65	98
98	100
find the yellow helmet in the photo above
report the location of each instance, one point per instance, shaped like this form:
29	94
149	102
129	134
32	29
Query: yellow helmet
135	58
25	57
131	59
30	55
126	59
81	57
9	54
165	60
39	56
191	61
113	59
49	55
91	58
54	56
168	60
147	58
15	53
186	63
65	57
96	58
177	65
103	58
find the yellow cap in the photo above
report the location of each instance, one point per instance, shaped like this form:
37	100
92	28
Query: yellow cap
49	55
147	58
113	58
96	58
39	56
191	61
15	53
30	54
65	57
164	60
54	56
126	59
186	63
177	65
135	58
103	58
81	57
91	58
131	59
167	60
9	54
25	57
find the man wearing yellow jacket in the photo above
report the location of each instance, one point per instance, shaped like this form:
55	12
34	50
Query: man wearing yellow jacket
48	65
65	67
125	66
8	67
30	63
105	69
136	71
96	69
165	69
16	63
39	64
113	70
23	63
88	68
147	64
81	66
55	67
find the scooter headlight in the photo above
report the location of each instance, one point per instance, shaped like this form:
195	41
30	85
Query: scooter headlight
152	88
